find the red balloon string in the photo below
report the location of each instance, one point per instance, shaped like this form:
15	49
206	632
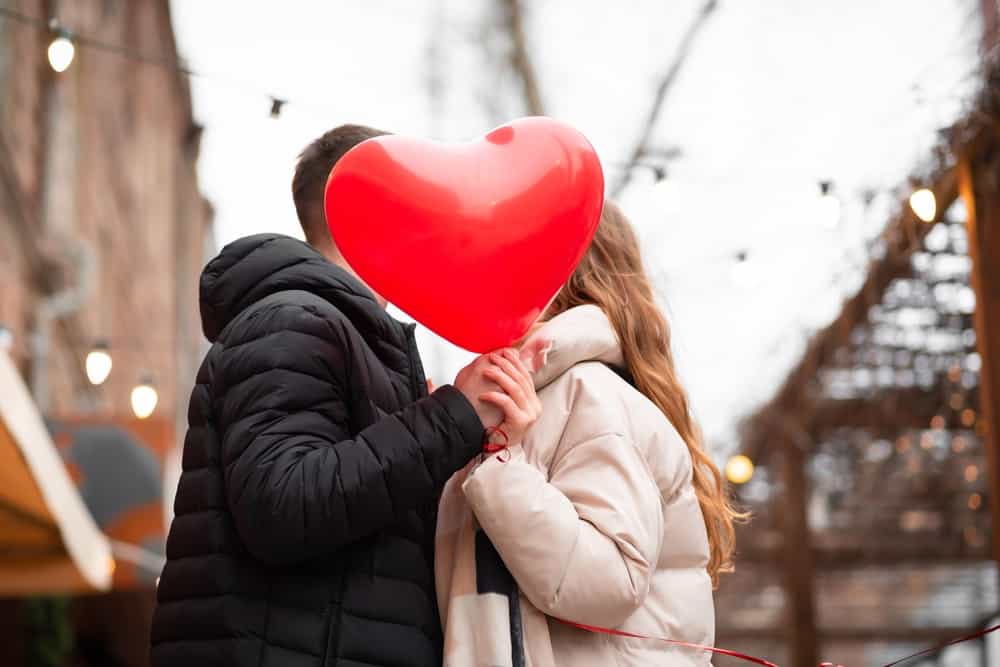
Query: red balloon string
675	642
975	635
761	661
494	447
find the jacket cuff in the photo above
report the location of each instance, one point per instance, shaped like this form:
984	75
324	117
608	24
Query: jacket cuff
467	422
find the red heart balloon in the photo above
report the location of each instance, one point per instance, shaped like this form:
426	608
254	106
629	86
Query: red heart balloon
472	240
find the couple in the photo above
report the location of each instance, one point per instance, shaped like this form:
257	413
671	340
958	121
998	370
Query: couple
332	513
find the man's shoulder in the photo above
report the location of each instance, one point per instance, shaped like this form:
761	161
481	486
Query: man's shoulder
290	310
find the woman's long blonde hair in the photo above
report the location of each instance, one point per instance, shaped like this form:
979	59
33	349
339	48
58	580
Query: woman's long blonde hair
611	276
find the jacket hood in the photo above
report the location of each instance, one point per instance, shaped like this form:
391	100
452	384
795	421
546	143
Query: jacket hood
580	334
254	267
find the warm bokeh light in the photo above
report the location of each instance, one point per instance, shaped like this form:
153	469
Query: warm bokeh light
971	473
739	469
98	364
61	53
924	204
144	398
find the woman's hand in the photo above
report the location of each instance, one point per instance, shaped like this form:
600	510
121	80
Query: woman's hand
518	400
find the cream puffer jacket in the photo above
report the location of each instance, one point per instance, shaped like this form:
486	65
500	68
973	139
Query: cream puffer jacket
594	515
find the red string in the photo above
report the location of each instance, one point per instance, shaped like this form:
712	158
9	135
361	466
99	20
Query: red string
494	447
761	661
675	642
975	635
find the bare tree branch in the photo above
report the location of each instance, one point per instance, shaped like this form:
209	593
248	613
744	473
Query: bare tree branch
520	59
686	45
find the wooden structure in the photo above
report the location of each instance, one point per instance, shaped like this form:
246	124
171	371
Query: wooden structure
879	454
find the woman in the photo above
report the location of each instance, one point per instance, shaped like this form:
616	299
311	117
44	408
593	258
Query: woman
608	512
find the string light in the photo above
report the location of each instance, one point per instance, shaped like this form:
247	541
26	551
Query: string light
276	105
829	206
98	363
924	204
144	398
61	49
972	536
739	469
975	501
745	272
664	190
971	473
6	338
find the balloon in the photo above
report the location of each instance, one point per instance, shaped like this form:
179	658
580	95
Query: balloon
472	240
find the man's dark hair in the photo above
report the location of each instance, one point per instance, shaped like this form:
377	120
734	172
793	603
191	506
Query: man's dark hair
315	163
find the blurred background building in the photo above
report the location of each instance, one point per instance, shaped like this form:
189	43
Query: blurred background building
103	232
815	186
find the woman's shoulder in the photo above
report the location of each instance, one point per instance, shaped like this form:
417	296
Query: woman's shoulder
600	401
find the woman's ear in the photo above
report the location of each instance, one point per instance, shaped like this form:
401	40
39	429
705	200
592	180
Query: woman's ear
534	353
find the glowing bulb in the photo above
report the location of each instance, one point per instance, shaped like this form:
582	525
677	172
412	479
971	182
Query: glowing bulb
924	204
746	272
828	207
144	398
98	363
739	469
665	194
61	53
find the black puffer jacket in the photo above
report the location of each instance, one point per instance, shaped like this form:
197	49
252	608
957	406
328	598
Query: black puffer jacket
304	519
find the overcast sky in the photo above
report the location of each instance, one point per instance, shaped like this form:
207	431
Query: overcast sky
776	96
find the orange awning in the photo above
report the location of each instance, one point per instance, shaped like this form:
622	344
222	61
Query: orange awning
49	543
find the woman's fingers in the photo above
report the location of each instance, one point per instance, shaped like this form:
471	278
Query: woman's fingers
503	378
506	404
523	380
524	375
532	406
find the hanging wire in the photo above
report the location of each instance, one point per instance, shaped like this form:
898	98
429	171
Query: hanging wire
276	103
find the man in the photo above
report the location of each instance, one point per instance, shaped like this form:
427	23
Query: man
313	462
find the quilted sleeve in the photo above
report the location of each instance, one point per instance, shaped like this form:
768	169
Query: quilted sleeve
297	486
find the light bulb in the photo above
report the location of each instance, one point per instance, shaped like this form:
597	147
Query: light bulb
739	469
664	195
144	398
828	207
61	53
98	364
745	272
924	204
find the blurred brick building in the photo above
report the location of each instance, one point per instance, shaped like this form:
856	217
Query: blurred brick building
103	231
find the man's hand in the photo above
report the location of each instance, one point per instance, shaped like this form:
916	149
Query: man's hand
473	383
